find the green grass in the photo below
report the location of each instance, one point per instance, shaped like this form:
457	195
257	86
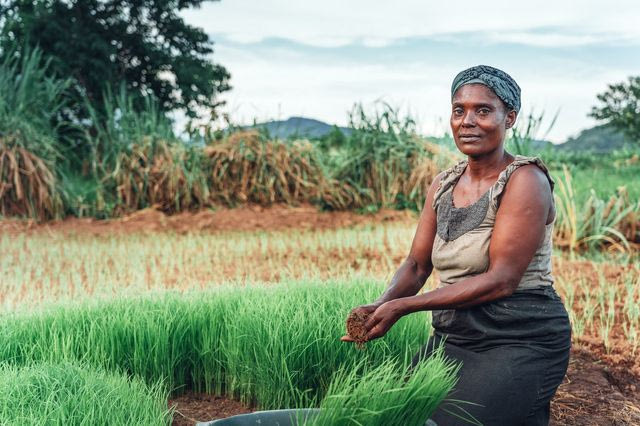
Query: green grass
604	179
69	394
275	347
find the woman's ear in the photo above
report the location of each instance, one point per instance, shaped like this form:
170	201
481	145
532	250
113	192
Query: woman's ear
511	118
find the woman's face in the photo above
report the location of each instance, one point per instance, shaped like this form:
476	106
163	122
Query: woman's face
479	120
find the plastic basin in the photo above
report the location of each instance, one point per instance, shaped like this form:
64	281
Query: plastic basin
265	418
272	418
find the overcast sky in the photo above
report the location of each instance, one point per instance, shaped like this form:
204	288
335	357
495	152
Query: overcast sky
316	59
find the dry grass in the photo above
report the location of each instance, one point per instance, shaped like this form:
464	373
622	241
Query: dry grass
246	167
161	174
27	184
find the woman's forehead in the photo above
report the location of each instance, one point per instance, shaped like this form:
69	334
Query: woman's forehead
475	93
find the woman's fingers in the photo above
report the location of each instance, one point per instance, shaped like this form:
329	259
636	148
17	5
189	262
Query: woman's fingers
371	321
378	330
347	339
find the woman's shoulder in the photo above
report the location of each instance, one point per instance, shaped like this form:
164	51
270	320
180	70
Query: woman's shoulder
530	172
445	179
532	166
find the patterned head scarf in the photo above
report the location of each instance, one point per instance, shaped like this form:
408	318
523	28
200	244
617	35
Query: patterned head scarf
497	80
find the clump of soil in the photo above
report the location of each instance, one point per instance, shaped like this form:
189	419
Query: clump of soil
356	329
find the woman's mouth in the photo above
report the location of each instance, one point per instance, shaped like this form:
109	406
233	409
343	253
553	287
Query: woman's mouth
469	138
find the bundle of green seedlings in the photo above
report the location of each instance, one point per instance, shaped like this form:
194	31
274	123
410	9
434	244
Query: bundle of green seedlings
387	395
68	393
270	347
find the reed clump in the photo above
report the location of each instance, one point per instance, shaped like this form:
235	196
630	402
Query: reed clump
385	159
27	184
595	224
155	172
30	149
248	167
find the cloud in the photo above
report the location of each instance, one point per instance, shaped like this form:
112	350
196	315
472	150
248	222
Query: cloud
318	59
333	23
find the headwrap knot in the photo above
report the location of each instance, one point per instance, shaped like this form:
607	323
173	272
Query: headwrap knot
497	80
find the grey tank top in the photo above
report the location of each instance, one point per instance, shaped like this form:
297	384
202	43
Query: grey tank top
461	245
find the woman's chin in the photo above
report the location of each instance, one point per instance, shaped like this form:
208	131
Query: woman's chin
471	149
474	149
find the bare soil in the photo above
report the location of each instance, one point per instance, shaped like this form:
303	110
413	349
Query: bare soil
191	408
250	218
356	329
595	393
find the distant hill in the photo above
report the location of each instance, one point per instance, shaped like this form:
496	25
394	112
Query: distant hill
298	127
600	139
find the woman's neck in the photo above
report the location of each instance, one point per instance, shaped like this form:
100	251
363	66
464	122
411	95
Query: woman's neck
490	165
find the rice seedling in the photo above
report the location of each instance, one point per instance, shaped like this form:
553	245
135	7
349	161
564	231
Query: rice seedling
632	312
387	393
72	394
607	319
588	303
271	346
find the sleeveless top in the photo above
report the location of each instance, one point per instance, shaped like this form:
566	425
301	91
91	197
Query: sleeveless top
461	245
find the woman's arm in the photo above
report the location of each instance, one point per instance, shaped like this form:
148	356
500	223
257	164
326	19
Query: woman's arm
416	268
518	230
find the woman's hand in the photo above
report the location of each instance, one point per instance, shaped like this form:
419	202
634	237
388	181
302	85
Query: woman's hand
383	318
364	309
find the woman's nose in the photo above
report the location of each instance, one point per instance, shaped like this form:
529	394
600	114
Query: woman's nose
469	119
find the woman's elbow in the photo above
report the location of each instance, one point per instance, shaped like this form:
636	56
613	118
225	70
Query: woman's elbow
420	270
506	286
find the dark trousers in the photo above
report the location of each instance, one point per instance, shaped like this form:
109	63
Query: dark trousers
514	354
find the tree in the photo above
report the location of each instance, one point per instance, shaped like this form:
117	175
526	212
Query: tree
102	44
621	107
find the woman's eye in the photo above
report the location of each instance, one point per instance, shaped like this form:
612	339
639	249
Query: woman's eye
457	111
483	111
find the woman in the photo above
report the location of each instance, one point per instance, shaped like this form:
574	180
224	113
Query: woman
486	227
